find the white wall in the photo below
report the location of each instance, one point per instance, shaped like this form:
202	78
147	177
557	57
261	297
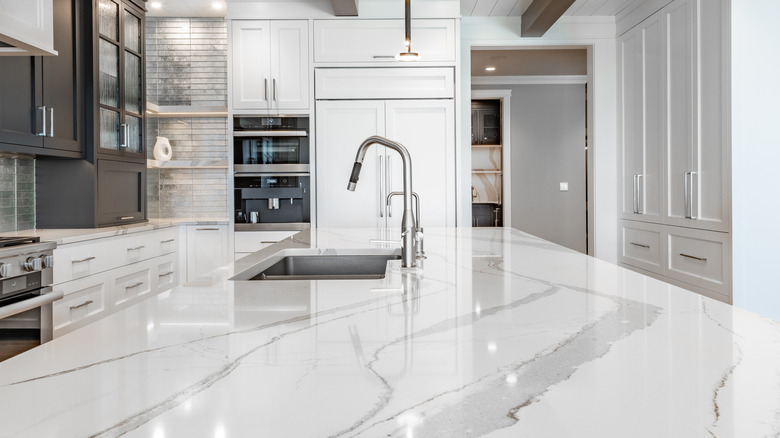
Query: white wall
598	35
755	69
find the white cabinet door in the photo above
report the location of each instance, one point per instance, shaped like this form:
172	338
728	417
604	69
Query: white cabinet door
427	129
641	127
290	64
341	126
251	46
342	41
207	249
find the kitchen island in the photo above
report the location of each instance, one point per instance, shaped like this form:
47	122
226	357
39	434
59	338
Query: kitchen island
498	333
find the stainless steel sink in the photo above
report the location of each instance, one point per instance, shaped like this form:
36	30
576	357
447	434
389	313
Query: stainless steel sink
314	264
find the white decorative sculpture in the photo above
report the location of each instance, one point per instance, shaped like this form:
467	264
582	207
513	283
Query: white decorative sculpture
162	149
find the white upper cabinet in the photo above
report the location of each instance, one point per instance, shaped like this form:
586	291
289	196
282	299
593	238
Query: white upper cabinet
641	125
373	41
26	28
270	64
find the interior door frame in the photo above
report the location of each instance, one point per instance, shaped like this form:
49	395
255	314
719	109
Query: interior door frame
504	96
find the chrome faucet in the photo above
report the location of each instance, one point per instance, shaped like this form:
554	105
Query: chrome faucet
408	225
418	230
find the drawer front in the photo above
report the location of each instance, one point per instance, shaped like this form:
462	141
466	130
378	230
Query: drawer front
165	275
251	241
699	257
133	248
642	246
78	260
131	282
84	299
385	83
378	41
165	241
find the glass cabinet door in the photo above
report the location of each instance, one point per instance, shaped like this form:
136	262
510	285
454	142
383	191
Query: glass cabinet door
133	90
108	74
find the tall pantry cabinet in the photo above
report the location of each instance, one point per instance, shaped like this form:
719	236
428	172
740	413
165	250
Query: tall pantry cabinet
675	187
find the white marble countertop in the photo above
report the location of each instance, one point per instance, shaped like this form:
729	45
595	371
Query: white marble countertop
499	334
64	236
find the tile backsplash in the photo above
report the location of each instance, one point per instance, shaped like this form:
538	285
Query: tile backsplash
187	66
17	193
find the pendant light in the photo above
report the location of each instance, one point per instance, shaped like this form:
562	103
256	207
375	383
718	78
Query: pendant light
408	55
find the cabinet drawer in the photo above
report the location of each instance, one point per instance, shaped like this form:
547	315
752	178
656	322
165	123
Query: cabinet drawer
698	257
165	241
641	246
131	282
378	41
384	83
251	241
165	273
84	300
79	260
133	248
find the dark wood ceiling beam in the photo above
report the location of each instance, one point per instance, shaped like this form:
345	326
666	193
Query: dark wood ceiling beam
345	8
541	15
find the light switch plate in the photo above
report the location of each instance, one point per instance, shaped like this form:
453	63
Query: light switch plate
564	186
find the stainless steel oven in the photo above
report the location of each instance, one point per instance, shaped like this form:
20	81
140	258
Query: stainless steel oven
26	296
271	144
272	184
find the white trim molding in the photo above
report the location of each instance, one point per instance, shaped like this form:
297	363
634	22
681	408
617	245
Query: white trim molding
529	80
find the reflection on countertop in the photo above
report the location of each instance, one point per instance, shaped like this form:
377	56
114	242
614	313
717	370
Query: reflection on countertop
498	333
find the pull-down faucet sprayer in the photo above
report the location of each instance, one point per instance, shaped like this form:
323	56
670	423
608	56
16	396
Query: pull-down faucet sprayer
408	241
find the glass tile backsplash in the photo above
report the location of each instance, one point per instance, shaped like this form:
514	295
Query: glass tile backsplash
17	194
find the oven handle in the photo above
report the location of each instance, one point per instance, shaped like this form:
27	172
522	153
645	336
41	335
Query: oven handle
239	174
45	298
270	134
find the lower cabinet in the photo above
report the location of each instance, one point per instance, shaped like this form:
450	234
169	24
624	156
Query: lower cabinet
207	249
697	260
248	242
101	276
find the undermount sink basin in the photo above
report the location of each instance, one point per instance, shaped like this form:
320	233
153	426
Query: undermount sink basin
314	264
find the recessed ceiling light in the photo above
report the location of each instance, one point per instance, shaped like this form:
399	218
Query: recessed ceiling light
217	5
490	69
156	5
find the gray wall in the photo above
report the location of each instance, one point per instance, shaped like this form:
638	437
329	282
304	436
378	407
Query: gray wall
187	65
548	147
17	194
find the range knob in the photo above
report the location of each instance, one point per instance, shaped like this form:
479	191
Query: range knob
5	269
47	261
32	264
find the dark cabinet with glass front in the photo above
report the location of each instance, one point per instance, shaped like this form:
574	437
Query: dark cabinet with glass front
118	70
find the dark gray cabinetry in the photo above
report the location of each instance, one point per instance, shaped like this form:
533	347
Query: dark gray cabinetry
41	98
485	122
121	192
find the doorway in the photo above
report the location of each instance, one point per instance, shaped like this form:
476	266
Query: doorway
548	168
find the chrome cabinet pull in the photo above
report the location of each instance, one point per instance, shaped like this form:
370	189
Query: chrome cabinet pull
168	241
134	285
381	185
701	259
640	245
274	89
85	303
125	218
389	182
265	86
51	122
634	207
688	195
136	248
206	229
384	56
83	260
166	274
640	194
43	120
123	134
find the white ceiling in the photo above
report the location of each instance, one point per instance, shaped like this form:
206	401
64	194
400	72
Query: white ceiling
472	8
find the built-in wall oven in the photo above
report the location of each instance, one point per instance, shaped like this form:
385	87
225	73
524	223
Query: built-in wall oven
26	296
272	188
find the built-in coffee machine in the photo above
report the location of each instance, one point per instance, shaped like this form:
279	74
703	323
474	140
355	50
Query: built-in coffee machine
271	180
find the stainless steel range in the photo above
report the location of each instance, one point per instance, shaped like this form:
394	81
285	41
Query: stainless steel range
26	296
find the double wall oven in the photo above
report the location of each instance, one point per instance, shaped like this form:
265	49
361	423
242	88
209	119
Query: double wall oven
271	182
26	296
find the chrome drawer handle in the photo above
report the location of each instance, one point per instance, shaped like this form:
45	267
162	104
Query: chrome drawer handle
168	241
384	56
206	229
136	248
166	274
701	259
640	245
125	218
83	260
134	285
85	303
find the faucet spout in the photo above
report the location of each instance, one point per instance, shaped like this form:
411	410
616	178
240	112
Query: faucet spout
408	225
